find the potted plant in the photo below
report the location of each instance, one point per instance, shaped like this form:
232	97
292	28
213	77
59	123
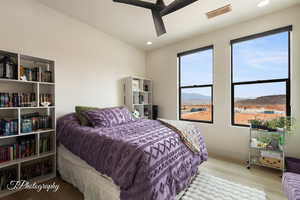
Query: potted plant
286	124
256	123
271	125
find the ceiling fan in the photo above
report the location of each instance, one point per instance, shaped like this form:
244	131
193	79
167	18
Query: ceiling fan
159	9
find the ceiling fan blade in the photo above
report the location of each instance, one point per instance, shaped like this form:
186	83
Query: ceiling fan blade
158	23
160	4
176	5
138	3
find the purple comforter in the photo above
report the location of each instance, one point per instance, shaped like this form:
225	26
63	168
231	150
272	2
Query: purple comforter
291	185
147	160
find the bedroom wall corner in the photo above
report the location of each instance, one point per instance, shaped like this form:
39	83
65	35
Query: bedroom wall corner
221	137
89	63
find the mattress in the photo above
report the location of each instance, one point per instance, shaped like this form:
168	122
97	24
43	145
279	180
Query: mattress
93	184
145	158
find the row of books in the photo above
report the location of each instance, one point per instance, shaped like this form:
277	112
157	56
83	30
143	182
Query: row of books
24	147
29	74
46	98
29	124
32	74
37	168
6	176
23	99
17	99
46	76
45	144
8	127
34	121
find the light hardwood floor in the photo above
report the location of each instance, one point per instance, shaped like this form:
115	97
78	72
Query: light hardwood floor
261	178
265	179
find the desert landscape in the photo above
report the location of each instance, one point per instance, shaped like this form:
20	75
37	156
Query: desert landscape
271	112
204	115
265	108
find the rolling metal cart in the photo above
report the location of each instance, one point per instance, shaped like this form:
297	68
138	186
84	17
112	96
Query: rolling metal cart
266	149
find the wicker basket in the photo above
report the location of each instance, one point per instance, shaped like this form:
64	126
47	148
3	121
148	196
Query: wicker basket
271	162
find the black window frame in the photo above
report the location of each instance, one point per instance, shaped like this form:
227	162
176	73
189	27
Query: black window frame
286	80
179	55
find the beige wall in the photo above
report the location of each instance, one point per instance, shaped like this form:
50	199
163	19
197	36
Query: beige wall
89	63
222	138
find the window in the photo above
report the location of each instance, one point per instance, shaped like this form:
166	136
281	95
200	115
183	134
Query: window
196	85
261	76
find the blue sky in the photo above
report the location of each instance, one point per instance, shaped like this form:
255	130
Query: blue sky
257	90
258	59
203	91
261	59
196	69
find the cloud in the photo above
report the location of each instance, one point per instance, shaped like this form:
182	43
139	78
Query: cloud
264	59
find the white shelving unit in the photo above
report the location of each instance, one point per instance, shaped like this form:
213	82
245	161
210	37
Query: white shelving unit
38	87
138	95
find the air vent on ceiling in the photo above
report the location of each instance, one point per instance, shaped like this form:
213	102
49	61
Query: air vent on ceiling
219	11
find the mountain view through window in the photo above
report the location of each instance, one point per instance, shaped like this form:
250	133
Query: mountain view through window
196	85
260	78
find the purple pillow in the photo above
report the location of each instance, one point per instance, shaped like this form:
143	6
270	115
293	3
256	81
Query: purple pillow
109	117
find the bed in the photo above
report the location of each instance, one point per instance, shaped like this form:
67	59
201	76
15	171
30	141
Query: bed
139	160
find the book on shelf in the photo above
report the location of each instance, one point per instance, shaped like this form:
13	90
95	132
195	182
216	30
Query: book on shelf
29	74
34	122
46	75
17	99
22	148
8	67
27	146
8	127
32	74
45	144
9	152
46	98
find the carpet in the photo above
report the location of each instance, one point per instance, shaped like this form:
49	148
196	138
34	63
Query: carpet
208	187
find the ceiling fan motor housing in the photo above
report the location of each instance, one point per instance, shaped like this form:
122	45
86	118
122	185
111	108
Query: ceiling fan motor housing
159	9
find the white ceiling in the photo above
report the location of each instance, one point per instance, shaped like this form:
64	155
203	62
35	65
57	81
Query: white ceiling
135	26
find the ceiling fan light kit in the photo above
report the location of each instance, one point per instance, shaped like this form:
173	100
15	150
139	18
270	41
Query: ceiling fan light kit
159	9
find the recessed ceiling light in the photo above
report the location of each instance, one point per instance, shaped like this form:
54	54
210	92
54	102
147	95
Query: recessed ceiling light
263	3
149	43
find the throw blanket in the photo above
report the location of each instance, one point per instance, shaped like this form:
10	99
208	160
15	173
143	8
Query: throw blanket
186	133
145	158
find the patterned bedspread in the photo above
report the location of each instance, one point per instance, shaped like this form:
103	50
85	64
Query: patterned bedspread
146	159
291	185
